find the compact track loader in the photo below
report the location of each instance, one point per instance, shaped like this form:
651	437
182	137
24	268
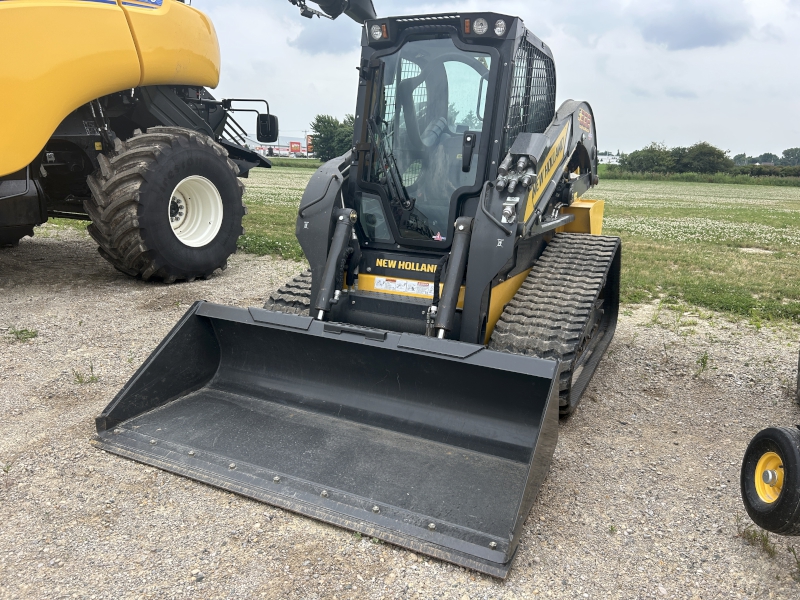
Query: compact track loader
104	117
459	299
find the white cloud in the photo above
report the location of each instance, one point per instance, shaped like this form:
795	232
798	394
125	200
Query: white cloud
677	71
684	25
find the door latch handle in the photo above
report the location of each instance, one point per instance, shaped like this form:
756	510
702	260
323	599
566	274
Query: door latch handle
467	149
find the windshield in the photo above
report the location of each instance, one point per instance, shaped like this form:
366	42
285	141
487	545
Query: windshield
426	115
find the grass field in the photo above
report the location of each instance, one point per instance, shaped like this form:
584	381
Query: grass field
300	163
731	248
272	198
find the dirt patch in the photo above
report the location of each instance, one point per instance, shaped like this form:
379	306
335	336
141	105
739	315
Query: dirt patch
640	502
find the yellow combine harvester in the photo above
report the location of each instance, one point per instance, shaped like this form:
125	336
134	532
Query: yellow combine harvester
80	81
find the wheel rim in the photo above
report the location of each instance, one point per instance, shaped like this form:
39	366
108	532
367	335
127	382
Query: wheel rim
769	477
195	211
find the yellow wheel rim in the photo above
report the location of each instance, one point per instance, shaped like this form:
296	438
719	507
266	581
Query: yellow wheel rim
769	477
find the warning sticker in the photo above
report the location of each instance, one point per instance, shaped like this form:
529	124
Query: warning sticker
91	128
404	286
585	121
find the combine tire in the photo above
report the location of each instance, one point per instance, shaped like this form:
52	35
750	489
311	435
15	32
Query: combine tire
294	297
567	309
10	236
168	206
770	480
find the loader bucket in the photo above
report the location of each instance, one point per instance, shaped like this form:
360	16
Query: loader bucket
434	445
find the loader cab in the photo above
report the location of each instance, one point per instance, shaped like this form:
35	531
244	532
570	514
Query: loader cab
439	98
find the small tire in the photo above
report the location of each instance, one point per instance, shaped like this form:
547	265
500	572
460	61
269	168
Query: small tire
133	205
294	297
770	480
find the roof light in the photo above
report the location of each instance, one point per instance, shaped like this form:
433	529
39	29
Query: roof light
500	28
376	32
481	26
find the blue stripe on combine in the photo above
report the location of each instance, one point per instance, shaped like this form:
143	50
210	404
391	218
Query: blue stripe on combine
144	3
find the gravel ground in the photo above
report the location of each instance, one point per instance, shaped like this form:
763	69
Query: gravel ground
642	500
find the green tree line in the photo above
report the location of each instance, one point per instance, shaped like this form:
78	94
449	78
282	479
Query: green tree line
705	158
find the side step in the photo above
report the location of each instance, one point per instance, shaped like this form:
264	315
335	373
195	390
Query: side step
566	309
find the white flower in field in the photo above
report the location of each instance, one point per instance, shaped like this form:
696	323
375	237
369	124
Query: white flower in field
278	186
691	212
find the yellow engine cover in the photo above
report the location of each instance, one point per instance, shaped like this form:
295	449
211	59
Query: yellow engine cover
177	44
57	55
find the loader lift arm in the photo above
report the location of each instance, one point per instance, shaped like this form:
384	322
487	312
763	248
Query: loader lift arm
358	10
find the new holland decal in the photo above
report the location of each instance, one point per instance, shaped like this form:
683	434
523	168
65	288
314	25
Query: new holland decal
547	169
405	265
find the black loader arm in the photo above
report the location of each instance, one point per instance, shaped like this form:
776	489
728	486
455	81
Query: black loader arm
315	217
358	10
544	172
541	174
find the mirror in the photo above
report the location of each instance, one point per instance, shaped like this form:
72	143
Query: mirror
267	129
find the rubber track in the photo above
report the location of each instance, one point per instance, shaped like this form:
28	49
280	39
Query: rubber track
113	206
294	297
549	315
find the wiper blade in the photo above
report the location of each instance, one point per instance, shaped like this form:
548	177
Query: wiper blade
394	181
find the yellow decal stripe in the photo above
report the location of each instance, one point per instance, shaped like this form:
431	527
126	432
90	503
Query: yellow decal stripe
546	170
502	295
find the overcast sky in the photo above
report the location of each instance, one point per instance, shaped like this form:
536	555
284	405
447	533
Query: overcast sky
673	71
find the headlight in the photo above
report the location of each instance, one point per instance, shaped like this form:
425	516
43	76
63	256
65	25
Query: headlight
375	32
500	28
480	27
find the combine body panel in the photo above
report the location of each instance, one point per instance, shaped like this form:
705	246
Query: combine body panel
460	297
177	44
57	56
